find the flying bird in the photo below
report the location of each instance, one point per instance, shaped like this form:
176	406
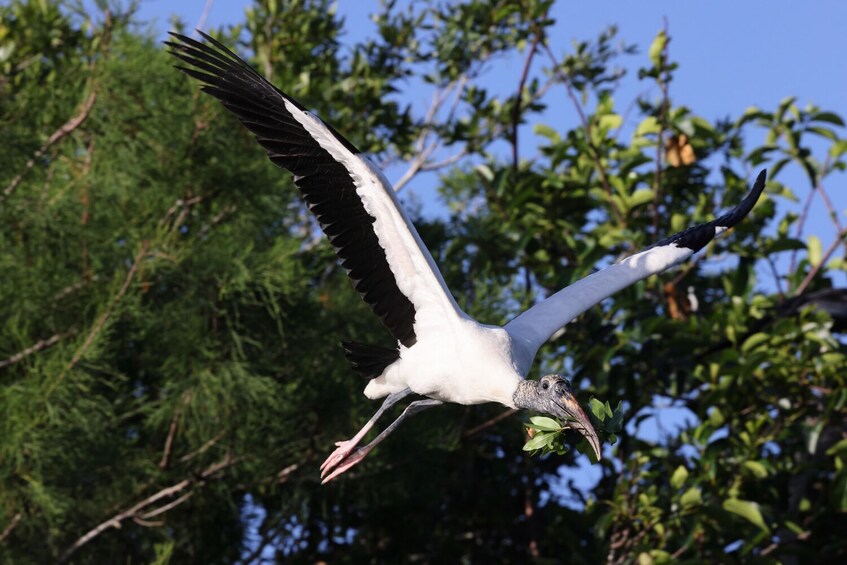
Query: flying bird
442	353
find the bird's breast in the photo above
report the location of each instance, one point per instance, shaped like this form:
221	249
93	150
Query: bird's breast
468	364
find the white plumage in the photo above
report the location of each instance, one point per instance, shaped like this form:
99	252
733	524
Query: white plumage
442	353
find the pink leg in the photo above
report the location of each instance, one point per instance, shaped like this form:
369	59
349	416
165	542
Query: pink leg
350	460
345	447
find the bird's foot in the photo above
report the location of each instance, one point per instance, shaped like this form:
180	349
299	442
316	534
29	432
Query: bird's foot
344	448
342	464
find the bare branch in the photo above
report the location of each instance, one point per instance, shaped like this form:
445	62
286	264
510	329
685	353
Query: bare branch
169	441
201	21
423	146
136	510
446	162
488	423
35	348
66	129
283	475
8	529
202	449
817	268
516	112
168	506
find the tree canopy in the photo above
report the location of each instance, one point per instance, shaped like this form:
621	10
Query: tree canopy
170	375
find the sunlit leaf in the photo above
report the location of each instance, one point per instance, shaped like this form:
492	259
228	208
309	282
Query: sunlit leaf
680	475
544	424
746	509
815	250
690	498
539	441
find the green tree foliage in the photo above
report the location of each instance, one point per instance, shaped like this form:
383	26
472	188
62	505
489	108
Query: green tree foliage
169	371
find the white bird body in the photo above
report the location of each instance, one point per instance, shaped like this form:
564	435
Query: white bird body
483	355
441	353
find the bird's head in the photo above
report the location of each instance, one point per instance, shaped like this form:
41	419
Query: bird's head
553	395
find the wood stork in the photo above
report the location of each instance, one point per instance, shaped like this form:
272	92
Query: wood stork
442	354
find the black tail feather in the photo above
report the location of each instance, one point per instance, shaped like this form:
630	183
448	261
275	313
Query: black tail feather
369	360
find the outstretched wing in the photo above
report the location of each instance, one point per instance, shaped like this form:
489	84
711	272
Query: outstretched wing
354	203
536	325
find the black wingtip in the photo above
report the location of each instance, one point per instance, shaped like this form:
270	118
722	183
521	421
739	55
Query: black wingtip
695	238
740	211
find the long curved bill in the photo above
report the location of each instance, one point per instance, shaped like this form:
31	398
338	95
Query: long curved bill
578	420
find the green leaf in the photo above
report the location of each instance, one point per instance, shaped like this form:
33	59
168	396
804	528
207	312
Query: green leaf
839	492
815	251
716	417
656	48
539	441
747	510
597	408
754	341
828	117
690	498
641	196
838	148
544	424
648	125
679	477
757	469
610	121
546	131
786	244
838	447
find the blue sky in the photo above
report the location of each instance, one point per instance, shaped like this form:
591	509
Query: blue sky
732	55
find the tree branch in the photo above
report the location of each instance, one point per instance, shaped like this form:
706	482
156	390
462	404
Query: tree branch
136	510
488	423
424	150
8	529
66	129
38	346
817	268
516	112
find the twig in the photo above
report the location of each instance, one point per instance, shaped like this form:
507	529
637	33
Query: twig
135	511
489	423
168	506
776	277
202	449
283	475
8	529
35	348
816	269
424	149
516	112
201	22
66	129
169	441
801	224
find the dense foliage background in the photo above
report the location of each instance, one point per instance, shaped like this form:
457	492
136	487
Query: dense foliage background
170	377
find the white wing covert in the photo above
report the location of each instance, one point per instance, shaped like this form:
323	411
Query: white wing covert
537	324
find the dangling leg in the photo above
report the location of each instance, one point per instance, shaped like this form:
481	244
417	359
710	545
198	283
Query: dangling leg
345	447
352	459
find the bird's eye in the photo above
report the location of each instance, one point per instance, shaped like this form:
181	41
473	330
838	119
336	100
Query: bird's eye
545	386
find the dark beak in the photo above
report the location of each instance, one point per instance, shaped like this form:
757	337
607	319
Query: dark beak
578	420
